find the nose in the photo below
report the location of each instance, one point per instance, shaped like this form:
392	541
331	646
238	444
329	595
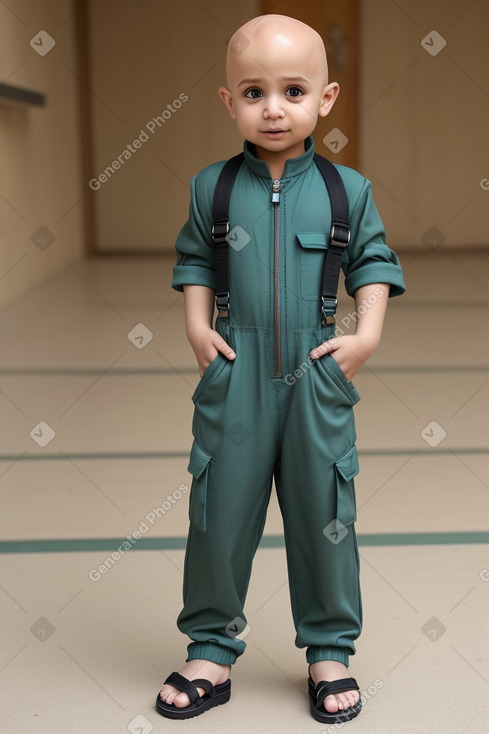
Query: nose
273	109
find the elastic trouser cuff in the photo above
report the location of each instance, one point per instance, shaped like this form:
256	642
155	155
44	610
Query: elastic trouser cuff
211	651
316	654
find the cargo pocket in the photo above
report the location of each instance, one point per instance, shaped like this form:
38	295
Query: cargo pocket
198	467
346	468
335	372
211	373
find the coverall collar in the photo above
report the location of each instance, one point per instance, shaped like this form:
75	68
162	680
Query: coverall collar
293	166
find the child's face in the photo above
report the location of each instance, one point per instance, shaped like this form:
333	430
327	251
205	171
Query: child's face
278	86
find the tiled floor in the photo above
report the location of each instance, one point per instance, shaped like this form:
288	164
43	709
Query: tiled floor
88	656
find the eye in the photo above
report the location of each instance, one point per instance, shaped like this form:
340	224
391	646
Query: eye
294	92
254	93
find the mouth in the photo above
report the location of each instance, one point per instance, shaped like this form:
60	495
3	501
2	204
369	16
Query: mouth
274	132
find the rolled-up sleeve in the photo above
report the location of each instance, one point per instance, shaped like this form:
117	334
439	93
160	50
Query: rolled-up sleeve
369	259
195	254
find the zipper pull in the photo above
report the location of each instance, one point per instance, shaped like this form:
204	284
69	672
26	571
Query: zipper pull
275	191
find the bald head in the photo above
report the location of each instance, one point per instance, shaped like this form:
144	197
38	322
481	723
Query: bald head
269	41
277	77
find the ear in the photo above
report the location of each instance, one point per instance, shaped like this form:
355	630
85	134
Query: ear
328	98
227	98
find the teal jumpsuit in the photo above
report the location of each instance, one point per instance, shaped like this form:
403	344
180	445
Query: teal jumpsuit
272	412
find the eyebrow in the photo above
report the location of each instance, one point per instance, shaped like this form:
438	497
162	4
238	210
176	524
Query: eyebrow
289	79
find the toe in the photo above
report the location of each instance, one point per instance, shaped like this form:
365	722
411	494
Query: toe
170	696
164	693
331	704
340	702
354	698
348	699
181	700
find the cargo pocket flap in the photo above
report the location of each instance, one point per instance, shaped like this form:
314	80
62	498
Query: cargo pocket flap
347	467
314	239
198	460
347	464
198	467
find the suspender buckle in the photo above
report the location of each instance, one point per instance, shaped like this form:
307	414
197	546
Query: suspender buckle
222	303
340	235
220	231
329	309
339	239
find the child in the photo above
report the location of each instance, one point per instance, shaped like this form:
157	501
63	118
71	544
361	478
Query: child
275	399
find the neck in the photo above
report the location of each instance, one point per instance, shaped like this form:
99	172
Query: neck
276	160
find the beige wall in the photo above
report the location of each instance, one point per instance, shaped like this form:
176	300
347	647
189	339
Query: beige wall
422	125
143	57
424	119
40	183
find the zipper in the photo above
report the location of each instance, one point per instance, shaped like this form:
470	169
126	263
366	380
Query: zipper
276	277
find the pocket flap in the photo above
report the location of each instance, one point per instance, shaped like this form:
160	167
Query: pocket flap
347	464
314	239
199	458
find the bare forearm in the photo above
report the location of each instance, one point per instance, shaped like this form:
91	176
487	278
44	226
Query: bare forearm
199	308
371	304
204	340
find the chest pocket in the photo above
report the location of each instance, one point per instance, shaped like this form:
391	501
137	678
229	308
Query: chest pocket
313	246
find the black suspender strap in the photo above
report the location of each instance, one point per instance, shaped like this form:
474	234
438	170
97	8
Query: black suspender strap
339	235
220	229
338	240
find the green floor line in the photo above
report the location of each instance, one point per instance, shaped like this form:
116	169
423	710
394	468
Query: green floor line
111	545
117	455
81	456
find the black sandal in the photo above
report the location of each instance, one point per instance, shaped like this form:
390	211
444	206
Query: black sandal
324	688
213	696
